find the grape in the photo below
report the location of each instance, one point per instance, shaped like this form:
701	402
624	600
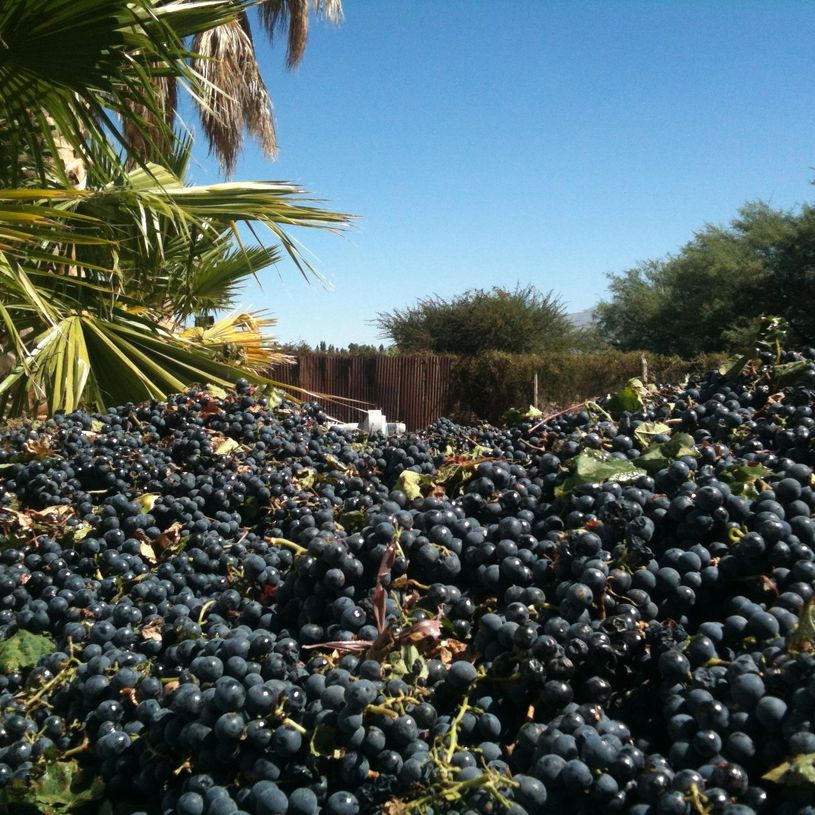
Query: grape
303	801
190	803
609	646
674	666
461	674
576	776
269	799
286	740
770	710
226	806
747	690
707	743
341	803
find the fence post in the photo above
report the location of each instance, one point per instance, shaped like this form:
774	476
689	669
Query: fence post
535	391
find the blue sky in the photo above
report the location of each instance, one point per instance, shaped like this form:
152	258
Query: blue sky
526	141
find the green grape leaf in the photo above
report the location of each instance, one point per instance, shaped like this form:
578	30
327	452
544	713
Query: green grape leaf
226	447
659	456
653	460
274	396
81	530
647	430
595	466
147	501
404	661
410	483
306	479
733	366
802	637
798	770
790	372
23	650
631	398
682	444
215	390
60	789
516	416
742	478
353	520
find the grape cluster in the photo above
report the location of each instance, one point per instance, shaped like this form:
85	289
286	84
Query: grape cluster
249	612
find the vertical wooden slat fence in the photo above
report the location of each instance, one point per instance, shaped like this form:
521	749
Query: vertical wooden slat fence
411	389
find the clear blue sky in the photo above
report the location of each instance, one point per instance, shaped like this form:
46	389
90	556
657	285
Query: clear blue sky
488	143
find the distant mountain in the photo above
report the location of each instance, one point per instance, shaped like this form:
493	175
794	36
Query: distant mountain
581	319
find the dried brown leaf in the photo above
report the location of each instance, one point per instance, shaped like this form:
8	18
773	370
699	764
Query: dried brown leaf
38	447
388	558
11	516
170	536
147	552
152	631
56	514
449	650
426	629
344	646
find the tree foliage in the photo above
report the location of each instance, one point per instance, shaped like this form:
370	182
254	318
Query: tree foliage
524	320
708	296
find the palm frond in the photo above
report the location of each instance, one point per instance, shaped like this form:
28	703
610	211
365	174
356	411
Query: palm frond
214	280
241	338
292	17
85	359
234	92
87	61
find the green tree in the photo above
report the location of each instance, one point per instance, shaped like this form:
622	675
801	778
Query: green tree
524	320
791	289
697	300
104	257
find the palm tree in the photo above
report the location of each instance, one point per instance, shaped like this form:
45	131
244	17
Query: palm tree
234	96
104	256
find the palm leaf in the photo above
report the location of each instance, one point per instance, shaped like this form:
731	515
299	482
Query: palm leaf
292	17
235	94
241	337
85	61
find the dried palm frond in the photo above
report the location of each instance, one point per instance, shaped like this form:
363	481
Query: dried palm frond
278	16
234	93
240	339
152	140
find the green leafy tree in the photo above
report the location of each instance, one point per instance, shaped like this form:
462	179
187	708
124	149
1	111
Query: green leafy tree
105	257
698	300
791	289
524	320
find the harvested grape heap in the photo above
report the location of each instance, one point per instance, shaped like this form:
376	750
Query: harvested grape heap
212	606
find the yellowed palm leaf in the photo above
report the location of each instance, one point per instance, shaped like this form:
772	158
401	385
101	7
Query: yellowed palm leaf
241	338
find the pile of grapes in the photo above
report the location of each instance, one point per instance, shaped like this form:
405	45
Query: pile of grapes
222	605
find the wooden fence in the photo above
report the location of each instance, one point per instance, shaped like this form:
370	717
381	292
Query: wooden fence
415	390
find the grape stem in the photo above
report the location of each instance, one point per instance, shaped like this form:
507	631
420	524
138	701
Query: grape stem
80	748
287	544
451	749
58	679
382	711
298	727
